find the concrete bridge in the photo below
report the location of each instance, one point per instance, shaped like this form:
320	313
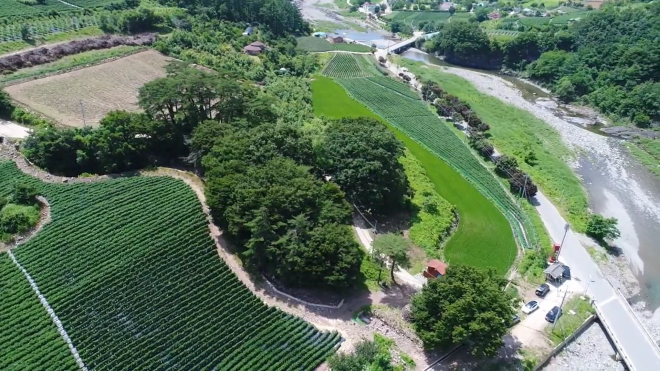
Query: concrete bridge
404	45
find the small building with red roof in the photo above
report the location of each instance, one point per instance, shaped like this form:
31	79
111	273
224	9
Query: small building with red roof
435	269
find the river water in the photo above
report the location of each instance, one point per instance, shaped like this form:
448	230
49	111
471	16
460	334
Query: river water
617	185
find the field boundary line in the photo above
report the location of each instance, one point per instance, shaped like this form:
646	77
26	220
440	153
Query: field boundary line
51	313
76	68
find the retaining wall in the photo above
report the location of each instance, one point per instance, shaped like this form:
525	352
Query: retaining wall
566	341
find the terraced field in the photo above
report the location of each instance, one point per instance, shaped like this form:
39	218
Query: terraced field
130	269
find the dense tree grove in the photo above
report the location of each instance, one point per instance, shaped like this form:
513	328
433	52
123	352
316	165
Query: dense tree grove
281	17
466	305
609	58
361	155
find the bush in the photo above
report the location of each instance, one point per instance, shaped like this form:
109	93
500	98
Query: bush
18	219
23	194
506	166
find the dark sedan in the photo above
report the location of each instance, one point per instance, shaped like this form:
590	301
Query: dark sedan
553	314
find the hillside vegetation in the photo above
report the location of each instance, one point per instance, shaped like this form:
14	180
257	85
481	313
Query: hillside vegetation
607	59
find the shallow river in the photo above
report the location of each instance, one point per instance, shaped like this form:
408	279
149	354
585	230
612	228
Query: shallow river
617	187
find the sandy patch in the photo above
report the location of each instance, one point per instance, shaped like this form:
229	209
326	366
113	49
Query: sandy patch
11	130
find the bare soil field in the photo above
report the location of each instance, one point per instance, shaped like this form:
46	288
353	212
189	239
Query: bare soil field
98	89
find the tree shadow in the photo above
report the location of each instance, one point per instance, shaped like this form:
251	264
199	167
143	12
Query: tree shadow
398	296
611	249
505	359
533	201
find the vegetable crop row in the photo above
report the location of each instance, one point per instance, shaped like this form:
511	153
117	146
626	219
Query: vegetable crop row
345	65
130	269
28	336
46	26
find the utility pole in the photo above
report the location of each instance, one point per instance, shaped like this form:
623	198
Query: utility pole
566	228
523	189
82	110
554	323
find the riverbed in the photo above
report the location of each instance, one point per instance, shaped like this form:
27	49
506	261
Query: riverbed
617	185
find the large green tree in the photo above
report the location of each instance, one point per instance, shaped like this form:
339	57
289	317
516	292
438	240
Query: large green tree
466	305
464	43
293	226
361	155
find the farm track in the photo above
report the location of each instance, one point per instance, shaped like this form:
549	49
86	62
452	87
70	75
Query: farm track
340	320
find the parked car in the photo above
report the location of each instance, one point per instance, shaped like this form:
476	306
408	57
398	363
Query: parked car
530	307
567	272
553	314
542	290
514	320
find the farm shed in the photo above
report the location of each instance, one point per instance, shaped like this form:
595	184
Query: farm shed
369	8
435	269
335	39
251	50
554	271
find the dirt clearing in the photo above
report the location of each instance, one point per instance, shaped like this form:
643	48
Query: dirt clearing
97	89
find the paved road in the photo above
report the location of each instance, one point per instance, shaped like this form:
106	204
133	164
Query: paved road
635	344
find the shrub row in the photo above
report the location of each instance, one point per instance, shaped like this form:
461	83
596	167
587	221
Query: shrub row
46	55
451	106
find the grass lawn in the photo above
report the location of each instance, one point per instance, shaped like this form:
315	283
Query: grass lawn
318	44
517	132
483	237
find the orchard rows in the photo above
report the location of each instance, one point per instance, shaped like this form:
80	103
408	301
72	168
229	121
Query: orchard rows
130	269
